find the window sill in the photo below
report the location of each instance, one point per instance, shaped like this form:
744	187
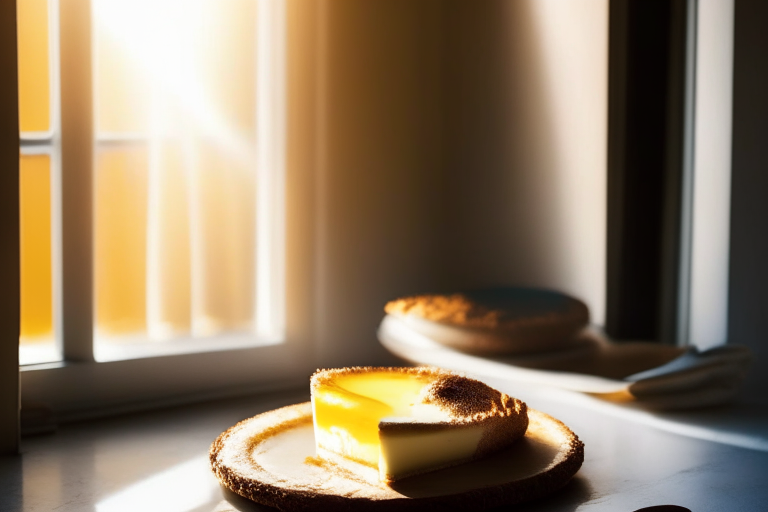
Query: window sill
75	391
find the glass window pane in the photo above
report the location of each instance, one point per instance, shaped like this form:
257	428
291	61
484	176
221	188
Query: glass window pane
227	43
122	89
176	78
120	240
224	215
34	78
169	312
37	338
200	54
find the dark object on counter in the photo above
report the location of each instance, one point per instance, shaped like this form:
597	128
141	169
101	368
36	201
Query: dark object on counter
664	508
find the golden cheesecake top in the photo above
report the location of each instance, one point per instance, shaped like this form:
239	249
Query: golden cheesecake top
464	400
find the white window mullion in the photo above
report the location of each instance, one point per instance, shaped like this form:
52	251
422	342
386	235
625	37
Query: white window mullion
56	173
269	312
706	201
76	305
711	205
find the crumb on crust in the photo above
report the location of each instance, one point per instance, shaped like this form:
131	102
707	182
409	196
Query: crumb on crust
468	398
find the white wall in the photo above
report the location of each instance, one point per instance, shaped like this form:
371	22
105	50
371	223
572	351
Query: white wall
378	157
526	145
458	143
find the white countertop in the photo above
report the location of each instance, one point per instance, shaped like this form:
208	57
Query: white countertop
713	460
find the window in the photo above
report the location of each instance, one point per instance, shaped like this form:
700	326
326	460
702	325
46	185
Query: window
152	198
185	181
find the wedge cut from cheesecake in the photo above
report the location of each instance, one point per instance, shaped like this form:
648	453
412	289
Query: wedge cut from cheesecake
390	423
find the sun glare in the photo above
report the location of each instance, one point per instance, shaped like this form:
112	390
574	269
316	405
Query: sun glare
196	84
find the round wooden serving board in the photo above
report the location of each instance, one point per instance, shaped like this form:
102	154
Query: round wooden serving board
270	459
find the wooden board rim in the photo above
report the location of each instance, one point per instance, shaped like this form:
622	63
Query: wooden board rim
292	498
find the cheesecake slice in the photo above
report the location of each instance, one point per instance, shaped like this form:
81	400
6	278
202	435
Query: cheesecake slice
390	423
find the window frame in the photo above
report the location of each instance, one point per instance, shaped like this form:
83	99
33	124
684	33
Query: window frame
79	386
9	232
669	283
